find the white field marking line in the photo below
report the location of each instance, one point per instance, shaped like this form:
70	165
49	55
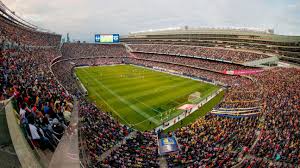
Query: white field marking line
163	111
166	88
179	75
173	100
162	75
145	104
157	90
160	90
142	87
130	83
135	108
140	82
99	96
150	74
211	93
182	116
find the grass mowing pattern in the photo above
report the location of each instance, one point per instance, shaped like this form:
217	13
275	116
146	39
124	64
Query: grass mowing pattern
137	96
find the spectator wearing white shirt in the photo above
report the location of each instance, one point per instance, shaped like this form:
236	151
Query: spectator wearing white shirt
37	135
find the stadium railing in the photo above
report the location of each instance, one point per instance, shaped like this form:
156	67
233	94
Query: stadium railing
67	152
7	152
27	156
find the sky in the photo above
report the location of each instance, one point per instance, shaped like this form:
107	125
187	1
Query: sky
84	18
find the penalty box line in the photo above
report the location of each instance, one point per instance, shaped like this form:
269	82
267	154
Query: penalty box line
160	90
174	100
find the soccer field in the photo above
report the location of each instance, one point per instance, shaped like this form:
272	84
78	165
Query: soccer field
139	97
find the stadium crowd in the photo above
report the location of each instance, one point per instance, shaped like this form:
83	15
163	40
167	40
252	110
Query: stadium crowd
189	61
280	134
260	162
139	151
63	69
207	52
245	95
12	32
77	50
214	142
43	106
277	133
99	131
190	71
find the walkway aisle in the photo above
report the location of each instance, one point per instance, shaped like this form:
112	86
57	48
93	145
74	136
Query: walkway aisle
107	153
163	162
67	152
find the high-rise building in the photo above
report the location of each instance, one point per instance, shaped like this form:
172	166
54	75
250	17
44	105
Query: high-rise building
68	38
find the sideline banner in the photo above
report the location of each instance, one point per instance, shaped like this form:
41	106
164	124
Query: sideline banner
243	72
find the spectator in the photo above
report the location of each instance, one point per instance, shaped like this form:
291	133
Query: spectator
198	51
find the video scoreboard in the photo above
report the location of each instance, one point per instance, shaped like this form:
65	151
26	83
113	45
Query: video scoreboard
107	38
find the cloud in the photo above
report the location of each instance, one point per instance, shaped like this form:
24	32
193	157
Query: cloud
83	18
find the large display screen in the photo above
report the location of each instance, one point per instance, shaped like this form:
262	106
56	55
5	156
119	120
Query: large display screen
107	38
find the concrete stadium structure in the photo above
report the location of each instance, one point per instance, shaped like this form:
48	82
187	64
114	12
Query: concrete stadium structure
286	48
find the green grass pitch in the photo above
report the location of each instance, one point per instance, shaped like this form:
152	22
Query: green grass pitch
139	97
